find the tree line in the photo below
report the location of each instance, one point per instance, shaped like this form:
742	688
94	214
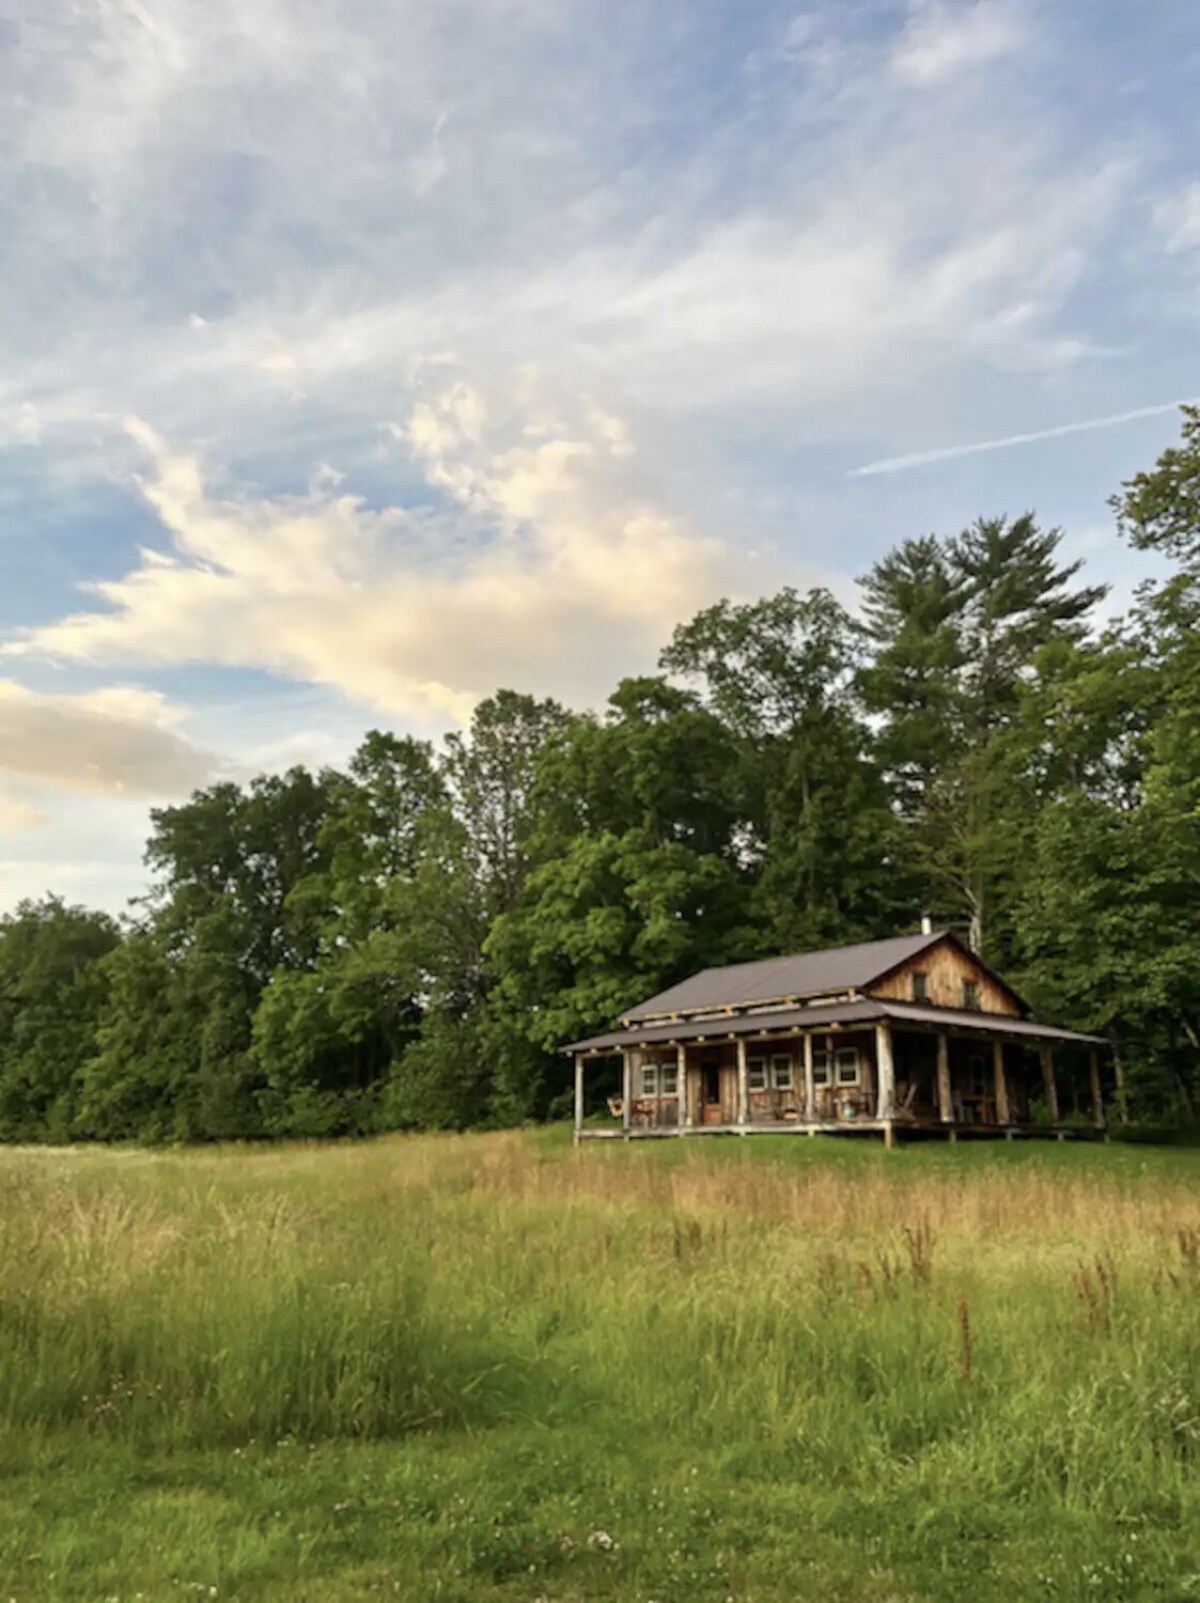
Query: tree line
406	942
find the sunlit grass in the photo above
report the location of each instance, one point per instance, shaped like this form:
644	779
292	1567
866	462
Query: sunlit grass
763	1368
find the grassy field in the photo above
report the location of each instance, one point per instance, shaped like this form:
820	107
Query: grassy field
491	1367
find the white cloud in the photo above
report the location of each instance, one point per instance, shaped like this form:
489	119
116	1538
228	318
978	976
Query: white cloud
550	570
19	817
21	424
1178	219
85	848
117	741
941	41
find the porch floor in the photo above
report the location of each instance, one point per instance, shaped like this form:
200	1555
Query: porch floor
889	1128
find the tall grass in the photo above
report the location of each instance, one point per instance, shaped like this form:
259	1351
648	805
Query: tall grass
1028	1328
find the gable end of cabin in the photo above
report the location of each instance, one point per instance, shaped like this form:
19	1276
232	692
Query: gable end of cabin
947	975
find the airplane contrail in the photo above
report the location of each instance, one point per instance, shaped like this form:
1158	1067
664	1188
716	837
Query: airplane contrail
920	459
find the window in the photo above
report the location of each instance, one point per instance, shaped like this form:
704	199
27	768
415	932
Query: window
920	986
821	1068
977	1074
781	1072
971	994
757	1068
660	1079
849	1071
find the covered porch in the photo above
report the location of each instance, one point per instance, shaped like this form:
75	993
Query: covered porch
905	1071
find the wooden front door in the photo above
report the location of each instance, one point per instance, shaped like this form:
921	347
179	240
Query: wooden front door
710	1093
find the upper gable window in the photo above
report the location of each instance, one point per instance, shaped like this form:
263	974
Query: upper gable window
971	995
920	986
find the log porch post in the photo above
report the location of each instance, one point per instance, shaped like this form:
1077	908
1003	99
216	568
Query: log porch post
1097	1098
578	1095
810	1088
1047	1057
1119	1074
945	1097
1002	1112
743	1083
685	1108
627	1091
885	1072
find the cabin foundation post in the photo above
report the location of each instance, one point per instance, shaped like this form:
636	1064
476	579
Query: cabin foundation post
1000	1082
1097	1096
578	1097
1047	1057
945	1099
685	1107
810	1087
743	1085
885	1073
627	1091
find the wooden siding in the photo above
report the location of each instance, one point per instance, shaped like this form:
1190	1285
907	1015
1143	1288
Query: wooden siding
946	968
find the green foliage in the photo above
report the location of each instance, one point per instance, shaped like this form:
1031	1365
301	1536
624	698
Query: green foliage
912	603
50	991
1107	917
407	943
958	627
440	1081
1159	510
637	878
771	667
816	821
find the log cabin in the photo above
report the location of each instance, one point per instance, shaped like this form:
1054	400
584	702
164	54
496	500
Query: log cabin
915	1033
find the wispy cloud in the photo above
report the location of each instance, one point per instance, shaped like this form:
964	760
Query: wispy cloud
947	453
547	567
941	41
682	252
1178	218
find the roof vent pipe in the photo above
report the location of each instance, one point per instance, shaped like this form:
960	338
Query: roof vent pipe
926	924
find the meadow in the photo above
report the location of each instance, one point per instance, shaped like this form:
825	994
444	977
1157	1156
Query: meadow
495	1367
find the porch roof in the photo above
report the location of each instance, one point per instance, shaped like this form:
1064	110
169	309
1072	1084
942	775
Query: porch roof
859	1011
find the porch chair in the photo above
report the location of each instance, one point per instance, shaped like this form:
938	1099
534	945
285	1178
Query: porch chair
904	1102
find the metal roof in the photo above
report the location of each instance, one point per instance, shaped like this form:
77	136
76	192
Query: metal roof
991	1023
775	979
862	1011
733	1024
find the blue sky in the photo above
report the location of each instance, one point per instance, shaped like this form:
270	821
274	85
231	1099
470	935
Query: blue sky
360	359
